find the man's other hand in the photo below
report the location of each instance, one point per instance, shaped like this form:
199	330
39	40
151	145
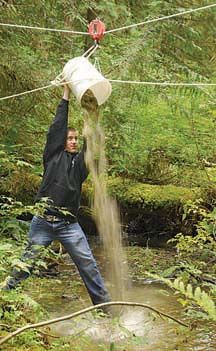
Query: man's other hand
66	95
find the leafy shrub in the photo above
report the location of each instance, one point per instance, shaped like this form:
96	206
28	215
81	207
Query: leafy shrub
205	225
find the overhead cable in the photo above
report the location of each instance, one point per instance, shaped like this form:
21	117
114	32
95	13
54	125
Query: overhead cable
25	92
161	83
161	18
41	28
55	83
111	30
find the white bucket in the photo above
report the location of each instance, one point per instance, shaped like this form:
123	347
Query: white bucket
83	76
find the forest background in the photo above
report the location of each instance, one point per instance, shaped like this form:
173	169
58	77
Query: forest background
154	134
160	140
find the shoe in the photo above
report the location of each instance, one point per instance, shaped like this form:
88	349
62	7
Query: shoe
4	286
105	311
8	284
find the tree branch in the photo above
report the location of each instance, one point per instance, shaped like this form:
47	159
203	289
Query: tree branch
88	309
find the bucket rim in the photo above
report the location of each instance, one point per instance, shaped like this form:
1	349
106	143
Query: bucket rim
101	100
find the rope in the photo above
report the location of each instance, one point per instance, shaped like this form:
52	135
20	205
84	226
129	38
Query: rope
88	51
57	82
25	92
60	79
40	28
112	30
97	64
160	18
93	50
161	83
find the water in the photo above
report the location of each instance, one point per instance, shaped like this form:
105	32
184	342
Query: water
104	207
135	329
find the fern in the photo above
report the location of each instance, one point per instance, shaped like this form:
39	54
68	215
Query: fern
200	297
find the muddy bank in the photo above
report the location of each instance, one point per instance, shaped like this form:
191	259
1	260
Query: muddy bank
152	228
150	214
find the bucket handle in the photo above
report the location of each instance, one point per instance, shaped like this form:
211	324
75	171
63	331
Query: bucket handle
58	80
90	51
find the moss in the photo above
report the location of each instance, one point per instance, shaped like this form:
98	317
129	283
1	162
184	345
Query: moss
142	195
21	185
131	193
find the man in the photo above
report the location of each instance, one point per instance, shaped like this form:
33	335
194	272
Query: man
64	173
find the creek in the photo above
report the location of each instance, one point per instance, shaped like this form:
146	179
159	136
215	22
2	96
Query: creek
134	328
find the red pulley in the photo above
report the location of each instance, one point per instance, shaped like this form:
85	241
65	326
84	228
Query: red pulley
96	29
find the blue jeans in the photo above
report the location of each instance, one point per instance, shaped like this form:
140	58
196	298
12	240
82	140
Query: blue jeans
75	243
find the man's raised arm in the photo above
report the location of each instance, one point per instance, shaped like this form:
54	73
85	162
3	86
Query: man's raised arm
57	134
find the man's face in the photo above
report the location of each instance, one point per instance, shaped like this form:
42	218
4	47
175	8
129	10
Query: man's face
72	141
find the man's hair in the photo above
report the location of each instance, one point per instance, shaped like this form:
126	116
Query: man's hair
72	129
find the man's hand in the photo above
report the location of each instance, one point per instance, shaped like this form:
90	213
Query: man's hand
66	95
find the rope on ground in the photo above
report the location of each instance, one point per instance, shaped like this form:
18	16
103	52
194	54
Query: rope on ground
41	28
88	309
161	18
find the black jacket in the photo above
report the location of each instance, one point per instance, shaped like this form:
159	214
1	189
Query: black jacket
64	172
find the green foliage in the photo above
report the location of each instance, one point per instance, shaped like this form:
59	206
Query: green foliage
205	237
193	276
200	297
17	178
161	135
9	206
193	266
16	307
14	232
157	143
12	227
10	257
